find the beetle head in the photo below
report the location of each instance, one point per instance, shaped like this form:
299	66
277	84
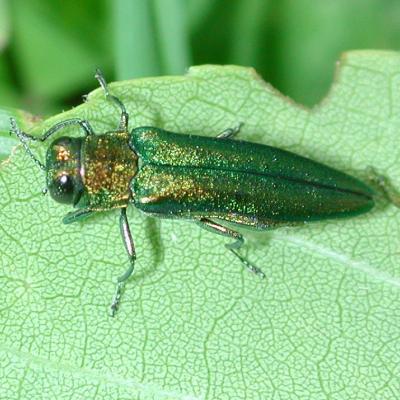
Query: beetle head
63	166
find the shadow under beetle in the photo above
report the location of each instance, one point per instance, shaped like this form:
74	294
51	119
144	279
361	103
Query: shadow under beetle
210	181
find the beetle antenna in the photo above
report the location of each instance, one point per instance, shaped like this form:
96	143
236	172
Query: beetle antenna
124	115
23	137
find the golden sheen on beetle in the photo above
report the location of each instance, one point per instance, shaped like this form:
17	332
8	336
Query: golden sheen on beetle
211	181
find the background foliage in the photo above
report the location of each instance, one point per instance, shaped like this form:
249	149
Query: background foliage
48	48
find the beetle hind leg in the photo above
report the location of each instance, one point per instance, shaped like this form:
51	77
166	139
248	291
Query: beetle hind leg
384	185
233	247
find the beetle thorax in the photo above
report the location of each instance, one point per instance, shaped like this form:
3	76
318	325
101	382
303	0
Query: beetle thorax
108	165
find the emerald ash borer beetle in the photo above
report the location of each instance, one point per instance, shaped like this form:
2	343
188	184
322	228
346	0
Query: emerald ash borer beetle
212	181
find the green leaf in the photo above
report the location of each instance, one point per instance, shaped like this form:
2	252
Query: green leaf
193	323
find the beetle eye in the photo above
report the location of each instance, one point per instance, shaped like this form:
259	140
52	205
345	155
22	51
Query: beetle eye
62	188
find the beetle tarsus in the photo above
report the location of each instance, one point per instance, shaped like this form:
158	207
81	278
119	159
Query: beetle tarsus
229	133
102	81
124	118
385	186
251	267
130	248
234	247
116	298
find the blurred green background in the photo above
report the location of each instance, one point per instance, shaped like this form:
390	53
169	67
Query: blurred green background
50	48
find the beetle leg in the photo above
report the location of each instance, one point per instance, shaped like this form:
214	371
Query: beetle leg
233	247
77	215
123	124
230	132
130	248
383	183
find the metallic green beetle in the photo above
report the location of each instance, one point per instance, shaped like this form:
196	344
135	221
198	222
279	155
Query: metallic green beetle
210	181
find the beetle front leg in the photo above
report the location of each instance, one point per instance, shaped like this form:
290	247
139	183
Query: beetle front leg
230	132
130	248
123	124
233	247
75	216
